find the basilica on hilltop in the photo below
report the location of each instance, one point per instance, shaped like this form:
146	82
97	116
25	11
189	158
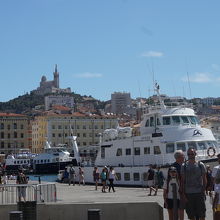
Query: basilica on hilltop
52	86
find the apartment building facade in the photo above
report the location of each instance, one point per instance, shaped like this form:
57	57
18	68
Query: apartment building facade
15	133
58	128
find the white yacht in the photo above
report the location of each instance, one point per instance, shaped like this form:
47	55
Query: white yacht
23	159
163	130
54	159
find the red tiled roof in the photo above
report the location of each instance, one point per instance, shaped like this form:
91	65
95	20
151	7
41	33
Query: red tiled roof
61	107
3	114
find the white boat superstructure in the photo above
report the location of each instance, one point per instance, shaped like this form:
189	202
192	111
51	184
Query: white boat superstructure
23	159
163	130
55	158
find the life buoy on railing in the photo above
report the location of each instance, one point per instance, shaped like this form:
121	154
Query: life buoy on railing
211	152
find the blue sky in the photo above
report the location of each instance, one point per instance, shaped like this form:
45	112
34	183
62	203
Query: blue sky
103	46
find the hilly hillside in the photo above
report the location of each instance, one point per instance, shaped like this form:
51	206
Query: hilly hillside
25	103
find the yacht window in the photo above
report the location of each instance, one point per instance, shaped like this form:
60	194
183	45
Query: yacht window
170	148
166	120
14	162
128	151
127	176
158	121
41	161
201	145
119	152
147	150
152	121
192	120
18	162
192	145
24	161
214	143
181	146
136	176
157	150
45	161
210	144
48	160
137	151
118	176
176	120
184	120
147	123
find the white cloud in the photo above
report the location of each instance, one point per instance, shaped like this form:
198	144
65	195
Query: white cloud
88	75
199	78
152	54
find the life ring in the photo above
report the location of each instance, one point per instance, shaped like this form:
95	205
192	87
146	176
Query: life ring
211	149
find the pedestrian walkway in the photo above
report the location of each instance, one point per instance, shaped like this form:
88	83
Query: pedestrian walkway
88	194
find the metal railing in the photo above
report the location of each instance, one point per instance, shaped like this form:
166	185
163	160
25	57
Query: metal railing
13	193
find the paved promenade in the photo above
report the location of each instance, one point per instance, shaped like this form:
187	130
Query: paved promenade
87	194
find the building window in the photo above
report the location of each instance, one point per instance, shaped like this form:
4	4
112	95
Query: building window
15	134
147	150
8	127
96	126
128	151
84	126
137	151
59	135
84	143
2	144
2	126
2	135
53	135
9	145
59	127
77	126
84	134
53	127
15	125
22	126
9	135
78	134
22	135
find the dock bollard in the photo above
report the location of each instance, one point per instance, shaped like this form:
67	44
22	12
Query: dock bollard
94	214
16	215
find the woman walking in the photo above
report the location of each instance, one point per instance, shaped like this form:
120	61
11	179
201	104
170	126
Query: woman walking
111	177
103	177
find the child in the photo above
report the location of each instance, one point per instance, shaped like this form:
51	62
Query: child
216	202
172	178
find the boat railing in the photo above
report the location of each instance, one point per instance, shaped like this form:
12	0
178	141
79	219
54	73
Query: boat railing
40	193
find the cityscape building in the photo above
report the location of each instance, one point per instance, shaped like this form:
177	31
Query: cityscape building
57	129
15	133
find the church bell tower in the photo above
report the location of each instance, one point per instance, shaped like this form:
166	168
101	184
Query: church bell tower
56	77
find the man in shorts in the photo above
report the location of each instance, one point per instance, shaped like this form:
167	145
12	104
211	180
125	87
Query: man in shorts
193	186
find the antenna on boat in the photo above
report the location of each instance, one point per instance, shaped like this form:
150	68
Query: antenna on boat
157	90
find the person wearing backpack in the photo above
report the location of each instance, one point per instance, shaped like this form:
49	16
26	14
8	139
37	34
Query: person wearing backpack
193	184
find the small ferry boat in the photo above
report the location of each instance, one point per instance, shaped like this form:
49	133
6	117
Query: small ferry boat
163	130
23	159
54	159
